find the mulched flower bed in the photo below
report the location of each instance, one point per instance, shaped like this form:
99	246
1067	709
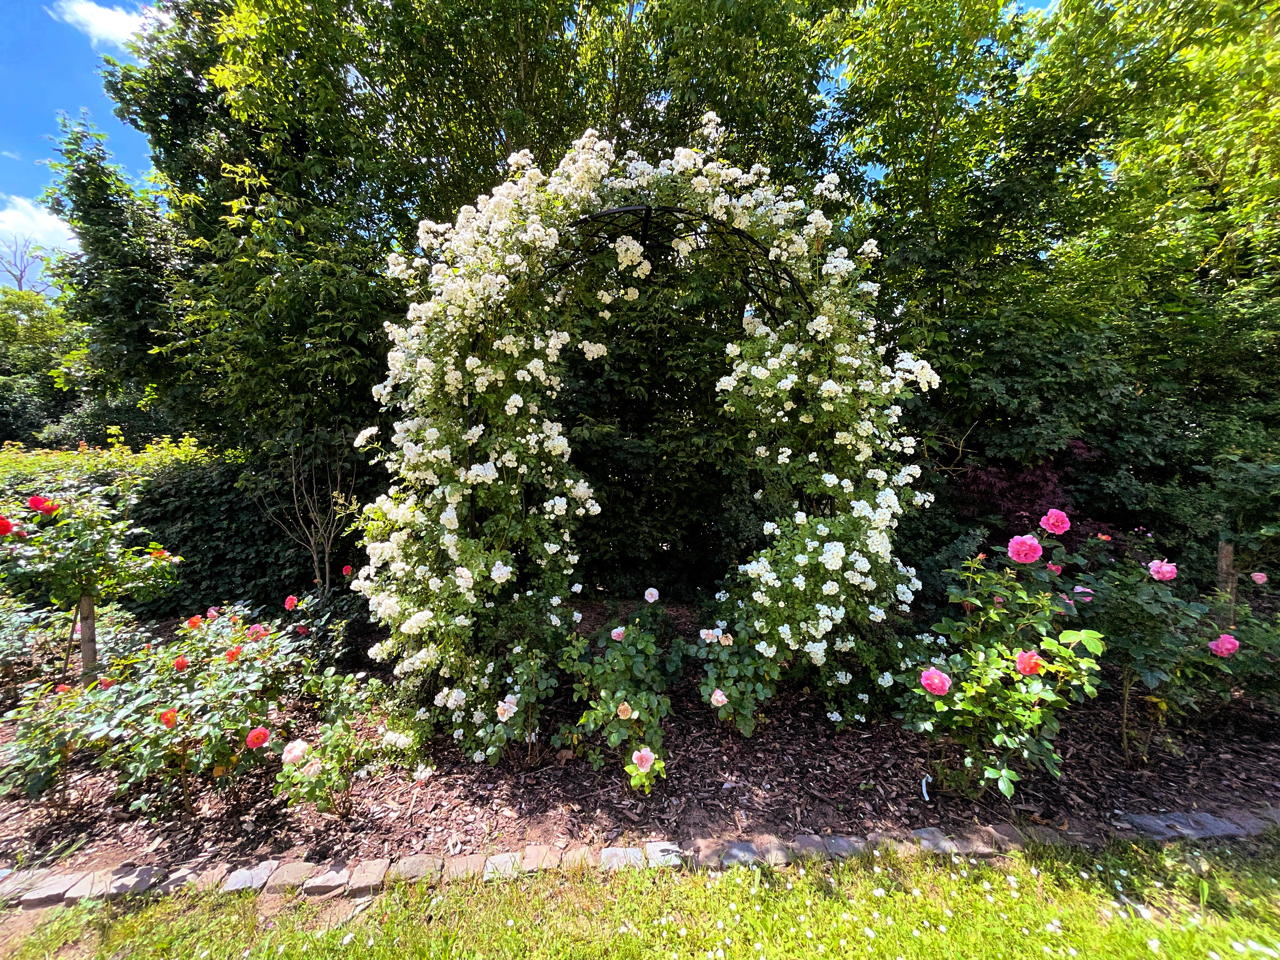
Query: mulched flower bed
794	776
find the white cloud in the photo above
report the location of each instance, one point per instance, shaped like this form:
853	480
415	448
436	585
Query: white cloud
24	218
102	24
10	155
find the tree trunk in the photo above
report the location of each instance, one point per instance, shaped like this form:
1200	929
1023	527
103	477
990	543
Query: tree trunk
1227	581
88	637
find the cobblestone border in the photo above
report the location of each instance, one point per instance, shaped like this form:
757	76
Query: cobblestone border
46	887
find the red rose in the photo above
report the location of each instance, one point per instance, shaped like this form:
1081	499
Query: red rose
41	505
346	571
303	631
159	554
106	683
169	718
290	602
6	528
181	664
257	737
194	622
62	688
233	654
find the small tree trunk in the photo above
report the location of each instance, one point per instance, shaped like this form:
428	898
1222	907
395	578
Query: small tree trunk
88	637
1227	581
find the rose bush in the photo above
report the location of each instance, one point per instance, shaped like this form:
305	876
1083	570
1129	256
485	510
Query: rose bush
473	559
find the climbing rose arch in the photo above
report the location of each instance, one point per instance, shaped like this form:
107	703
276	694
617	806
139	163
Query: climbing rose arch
472	562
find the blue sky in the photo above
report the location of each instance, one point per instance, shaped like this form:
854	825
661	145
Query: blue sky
50	58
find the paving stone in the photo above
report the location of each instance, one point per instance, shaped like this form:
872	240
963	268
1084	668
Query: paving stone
419	866
842	847
18	882
580	858
1008	837
773	850
290	876
1042	835
622	858
460	868
1249	824
892	840
739	853
809	846
706	853
200	873
540	856
50	890
975	841
934	840
502	866
112	884
333	876
367	877
1206	825
249	878
1269	813
663	853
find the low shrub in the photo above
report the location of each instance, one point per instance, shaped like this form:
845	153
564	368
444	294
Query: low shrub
216	703
1006	673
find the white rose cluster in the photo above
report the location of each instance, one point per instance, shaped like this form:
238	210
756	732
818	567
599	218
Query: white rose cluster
477	526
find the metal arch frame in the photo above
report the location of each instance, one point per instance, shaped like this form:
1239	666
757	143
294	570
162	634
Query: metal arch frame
657	228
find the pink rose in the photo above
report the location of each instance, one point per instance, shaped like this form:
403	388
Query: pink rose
290	602
1025	549
651	595
618	633
295	750
257	737
1258	578
313	768
1029	662
1162	569
1054	567
718	699
935	681
1086	595
643	759
256	631
1224	646
1055	521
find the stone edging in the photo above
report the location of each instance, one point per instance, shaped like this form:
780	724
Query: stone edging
45	887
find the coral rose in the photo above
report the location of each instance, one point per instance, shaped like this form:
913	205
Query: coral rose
169	718
257	737
643	759
1056	522
194	622
234	653
290	602
718	699
1224	646
106	683
1025	549
1029	662
62	688
181	663
935	681
1162	569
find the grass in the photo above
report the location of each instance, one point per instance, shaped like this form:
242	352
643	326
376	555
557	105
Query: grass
1180	902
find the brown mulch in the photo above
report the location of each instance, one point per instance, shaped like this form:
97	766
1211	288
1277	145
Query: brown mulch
795	775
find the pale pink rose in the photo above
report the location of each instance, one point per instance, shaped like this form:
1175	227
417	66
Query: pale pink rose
718	699
625	711
1056	568
506	708
643	759
618	632
1224	646
1086	595
313	768
1025	549
1055	521
1029	662
935	681
651	595
294	751
1162	569
1258	578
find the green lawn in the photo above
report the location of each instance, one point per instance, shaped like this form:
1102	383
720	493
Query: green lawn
1182	902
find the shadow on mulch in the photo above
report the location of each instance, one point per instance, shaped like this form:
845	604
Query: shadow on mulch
794	776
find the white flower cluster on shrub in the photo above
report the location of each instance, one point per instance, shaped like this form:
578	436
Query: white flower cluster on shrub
474	539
